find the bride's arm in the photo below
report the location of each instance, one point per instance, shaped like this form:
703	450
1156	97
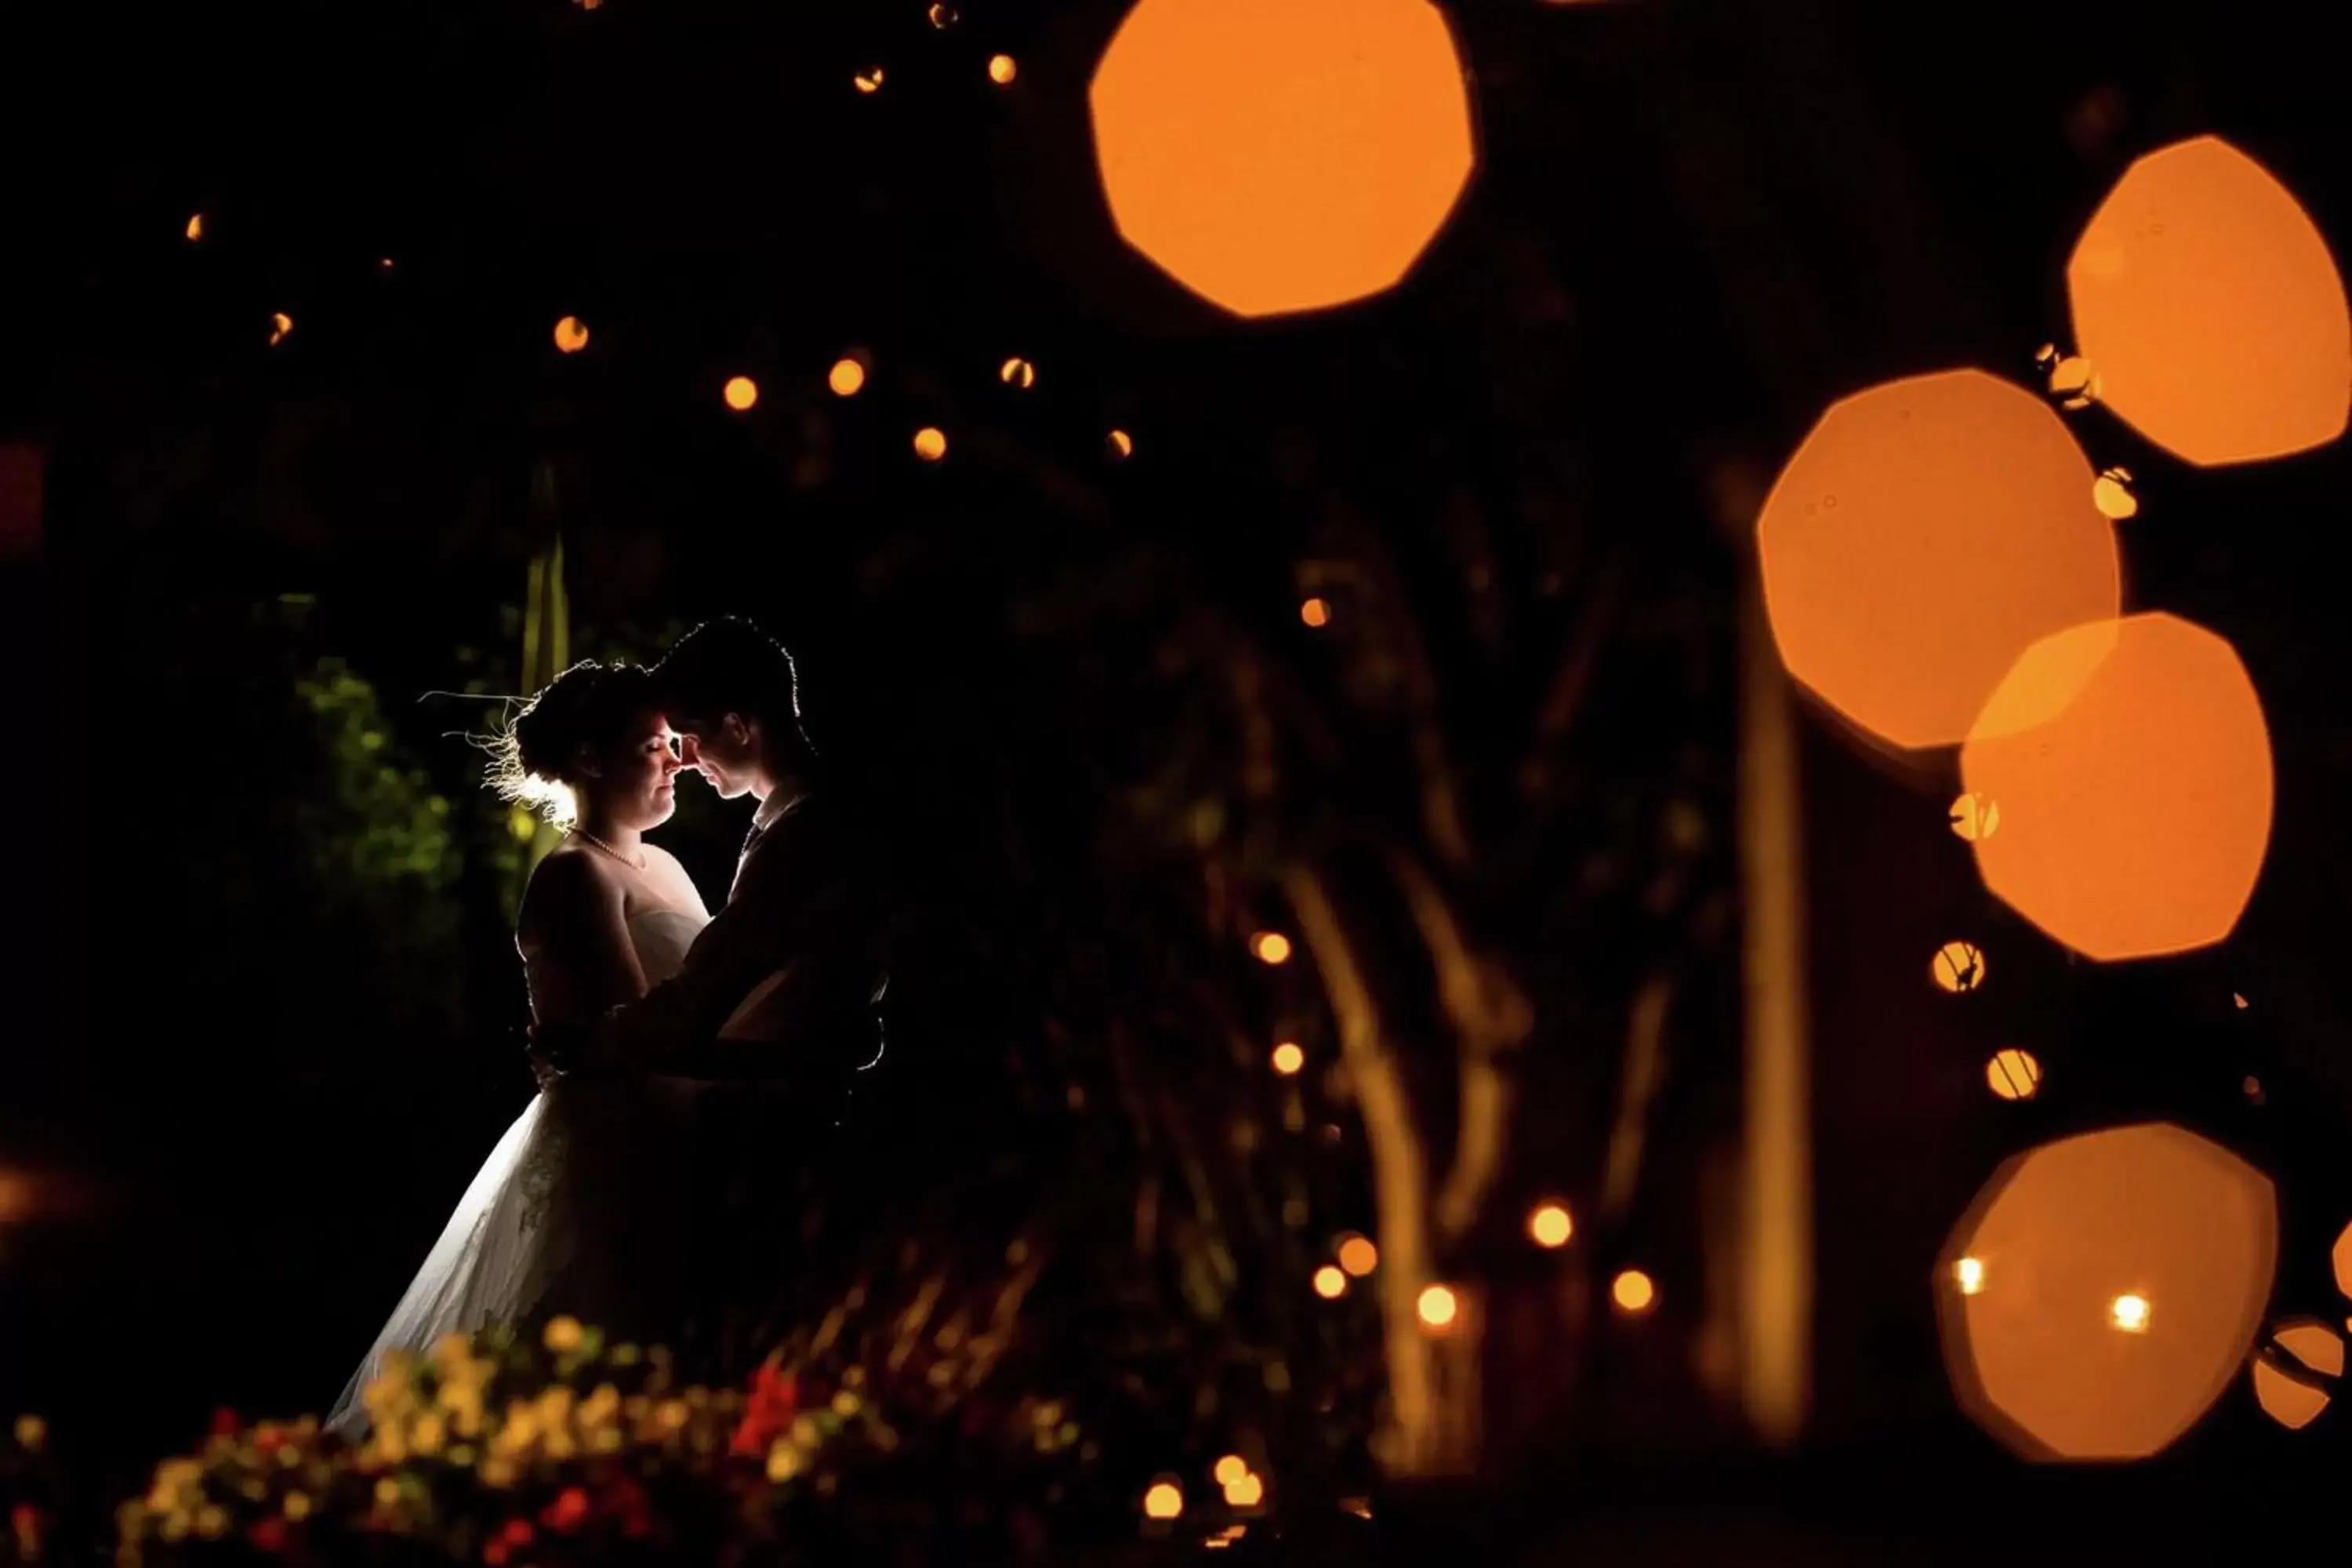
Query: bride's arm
574	929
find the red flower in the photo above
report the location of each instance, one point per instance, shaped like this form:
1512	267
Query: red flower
567	1512
224	1422
270	1535
495	1553
518	1532
768	1414
269	1439
26	1521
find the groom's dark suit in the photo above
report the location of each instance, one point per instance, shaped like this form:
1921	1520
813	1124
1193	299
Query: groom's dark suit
800	941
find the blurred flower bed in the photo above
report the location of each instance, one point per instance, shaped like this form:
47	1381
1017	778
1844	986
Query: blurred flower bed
552	1447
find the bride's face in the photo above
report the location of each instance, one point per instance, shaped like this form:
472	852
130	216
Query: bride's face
638	788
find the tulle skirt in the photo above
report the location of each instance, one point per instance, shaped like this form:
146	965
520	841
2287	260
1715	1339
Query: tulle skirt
573	1212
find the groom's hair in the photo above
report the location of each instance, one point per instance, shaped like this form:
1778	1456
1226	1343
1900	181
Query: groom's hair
730	666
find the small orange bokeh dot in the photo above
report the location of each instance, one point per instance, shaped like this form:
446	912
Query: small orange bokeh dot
1269	170
1550	1225
1633	1291
1270	947
1122	444
1330	1283
571	334
2208	300
931	443
1316	613
196	226
2138	814
1358	1256
1018	373
741	392
2343	1261
1002	68
848	377
1164	1501
1925	534
2013	1074
1230	1469
869	81
1438	1307
279	325
1288	1058
1244	1490
2309	1346
1959	966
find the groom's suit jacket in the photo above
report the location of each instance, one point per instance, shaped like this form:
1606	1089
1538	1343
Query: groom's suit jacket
802	930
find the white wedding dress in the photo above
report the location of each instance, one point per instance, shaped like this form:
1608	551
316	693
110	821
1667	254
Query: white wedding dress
559	1216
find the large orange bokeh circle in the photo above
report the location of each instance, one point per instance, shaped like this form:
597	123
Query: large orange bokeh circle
1925	534
2134	821
1281	156
2038	1351
2208	304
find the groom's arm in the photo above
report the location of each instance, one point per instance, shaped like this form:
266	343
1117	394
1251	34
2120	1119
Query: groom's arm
788	918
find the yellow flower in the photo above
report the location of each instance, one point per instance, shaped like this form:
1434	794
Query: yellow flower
783	1462
564	1334
297	1505
31	1432
601	1407
212	1522
557	1444
604	1440
845	1404
428	1434
391	1445
672	1415
498	1472
451	1350
387	1492
555	1406
175	1524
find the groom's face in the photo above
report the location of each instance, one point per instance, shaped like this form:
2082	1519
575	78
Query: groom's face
722	750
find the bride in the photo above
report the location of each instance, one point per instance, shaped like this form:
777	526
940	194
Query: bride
571	1213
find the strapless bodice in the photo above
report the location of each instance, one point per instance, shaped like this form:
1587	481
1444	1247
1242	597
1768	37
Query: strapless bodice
661	938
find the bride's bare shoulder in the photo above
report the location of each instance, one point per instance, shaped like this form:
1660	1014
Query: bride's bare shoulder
567	885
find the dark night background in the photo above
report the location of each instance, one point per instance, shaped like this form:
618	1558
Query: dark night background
261	1034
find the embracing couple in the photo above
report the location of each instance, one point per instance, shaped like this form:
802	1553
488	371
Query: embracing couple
690	1066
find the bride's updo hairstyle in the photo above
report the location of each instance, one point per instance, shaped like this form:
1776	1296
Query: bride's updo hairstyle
542	756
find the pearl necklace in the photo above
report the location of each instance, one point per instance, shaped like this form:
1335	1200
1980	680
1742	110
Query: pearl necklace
639	864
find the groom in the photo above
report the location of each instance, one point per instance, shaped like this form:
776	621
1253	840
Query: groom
774	1008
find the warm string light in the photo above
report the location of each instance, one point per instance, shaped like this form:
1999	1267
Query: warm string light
869	81
2130	1313
1633	1291
1959	967
930	443
1438	1307
1549	1225
1358	1256
1017	372
847	378
1230	1469
1244	1490
1316	613
1001	70
1288	1058
1164	1501
1330	1283
741	393
195	229
280	324
1120	445
1969	1274
1270	947
571	334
